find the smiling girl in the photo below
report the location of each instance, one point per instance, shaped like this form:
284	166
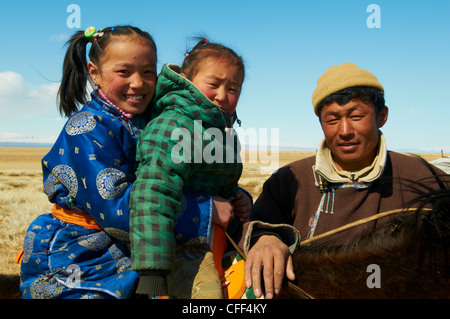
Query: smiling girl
79	250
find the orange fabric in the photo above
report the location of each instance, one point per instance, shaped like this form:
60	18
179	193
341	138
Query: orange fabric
73	217
19	256
234	286
219	246
235	276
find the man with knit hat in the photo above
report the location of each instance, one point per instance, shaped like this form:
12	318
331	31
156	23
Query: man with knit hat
351	177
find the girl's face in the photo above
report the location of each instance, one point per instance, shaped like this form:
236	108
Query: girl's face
126	74
220	82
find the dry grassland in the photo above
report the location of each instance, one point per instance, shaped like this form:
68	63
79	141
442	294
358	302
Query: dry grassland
258	167
22	198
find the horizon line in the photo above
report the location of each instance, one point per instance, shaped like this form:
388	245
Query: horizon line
247	148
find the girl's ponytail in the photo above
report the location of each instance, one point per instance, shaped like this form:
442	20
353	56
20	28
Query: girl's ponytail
72	90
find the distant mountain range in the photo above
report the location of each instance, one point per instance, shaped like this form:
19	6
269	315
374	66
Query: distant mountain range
24	144
281	148
21	140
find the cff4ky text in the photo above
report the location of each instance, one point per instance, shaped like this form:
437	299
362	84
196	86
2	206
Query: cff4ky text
233	308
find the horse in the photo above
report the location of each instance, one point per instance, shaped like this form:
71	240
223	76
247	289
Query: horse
407	258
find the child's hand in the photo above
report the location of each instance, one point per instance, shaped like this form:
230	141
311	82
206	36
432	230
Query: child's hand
242	206
222	211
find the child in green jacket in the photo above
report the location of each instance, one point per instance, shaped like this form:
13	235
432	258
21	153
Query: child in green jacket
189	145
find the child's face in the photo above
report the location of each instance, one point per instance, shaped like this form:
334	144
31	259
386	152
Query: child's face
220	82
126	74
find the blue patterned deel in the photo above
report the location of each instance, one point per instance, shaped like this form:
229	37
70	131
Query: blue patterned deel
90	169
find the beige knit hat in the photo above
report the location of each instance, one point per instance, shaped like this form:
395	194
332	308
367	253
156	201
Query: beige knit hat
340	77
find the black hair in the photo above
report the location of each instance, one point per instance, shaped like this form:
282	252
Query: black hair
205	49
72	90
363	93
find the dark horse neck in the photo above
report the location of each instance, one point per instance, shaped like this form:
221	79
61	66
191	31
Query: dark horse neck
406	259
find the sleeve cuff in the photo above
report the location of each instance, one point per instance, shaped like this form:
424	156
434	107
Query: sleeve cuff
154	284
286	233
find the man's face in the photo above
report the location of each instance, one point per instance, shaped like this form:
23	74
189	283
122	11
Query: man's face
352	132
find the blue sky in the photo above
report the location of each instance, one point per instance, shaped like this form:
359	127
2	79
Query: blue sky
286	44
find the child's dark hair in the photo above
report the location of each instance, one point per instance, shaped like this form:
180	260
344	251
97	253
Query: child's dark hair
205	49
72	91
363	93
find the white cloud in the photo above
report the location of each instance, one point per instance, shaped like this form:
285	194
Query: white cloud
11	83
20	99
44	91
59	37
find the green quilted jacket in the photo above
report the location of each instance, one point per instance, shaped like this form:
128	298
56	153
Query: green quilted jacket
188	145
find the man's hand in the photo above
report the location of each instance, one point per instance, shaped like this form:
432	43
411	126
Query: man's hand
271	257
